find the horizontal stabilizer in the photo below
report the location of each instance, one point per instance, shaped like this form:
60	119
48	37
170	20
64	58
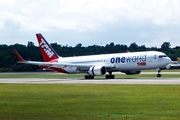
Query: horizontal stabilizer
18	56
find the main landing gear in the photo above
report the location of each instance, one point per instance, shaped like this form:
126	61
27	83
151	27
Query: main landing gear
89	77
110	76
159	75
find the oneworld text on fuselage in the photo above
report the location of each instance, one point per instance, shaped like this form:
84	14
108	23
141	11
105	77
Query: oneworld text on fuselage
128	59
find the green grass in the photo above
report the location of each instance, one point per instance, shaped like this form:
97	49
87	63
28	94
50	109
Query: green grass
89	102
56	75
41	75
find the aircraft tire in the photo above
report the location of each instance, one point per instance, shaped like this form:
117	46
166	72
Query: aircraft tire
110	76
107	76
88	77
158	75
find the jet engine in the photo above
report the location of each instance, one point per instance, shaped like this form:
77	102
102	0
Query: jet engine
133	72
168	67
97	70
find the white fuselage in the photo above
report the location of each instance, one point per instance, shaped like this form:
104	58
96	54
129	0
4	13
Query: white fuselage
120	61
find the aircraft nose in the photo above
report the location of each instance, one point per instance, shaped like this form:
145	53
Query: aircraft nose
168	60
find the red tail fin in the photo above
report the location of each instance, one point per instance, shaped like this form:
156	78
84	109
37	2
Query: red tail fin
47	51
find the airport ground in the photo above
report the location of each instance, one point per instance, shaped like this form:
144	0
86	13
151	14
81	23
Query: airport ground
172	77
37	96
94	81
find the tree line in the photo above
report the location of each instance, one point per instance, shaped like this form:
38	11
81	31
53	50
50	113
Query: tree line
8	61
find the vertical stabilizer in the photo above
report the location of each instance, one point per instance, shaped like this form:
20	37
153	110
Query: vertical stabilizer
47	51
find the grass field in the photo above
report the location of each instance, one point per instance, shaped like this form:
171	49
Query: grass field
89	102
57	75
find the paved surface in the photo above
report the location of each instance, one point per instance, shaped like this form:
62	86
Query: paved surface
95	81
162	72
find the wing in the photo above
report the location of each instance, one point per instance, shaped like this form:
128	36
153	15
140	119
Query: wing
174	66
61	65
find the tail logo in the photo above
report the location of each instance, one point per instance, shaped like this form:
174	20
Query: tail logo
46	48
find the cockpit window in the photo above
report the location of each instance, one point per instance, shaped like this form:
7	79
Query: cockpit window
161	56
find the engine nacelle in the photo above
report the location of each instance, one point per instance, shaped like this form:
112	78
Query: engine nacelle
97	70
168	67
132	72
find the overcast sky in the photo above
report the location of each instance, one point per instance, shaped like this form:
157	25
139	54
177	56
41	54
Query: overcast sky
99	22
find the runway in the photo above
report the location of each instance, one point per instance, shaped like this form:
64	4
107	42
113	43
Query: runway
94	81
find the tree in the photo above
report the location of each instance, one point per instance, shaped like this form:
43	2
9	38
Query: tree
30	44
110	48
165	46
78	45
32	52
133	47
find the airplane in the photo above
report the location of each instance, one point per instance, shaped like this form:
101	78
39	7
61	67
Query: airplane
94	65
174	64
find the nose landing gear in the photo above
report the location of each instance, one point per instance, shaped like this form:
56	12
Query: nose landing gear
159	75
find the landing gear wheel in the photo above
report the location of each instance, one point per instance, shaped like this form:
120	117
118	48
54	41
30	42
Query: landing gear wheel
107	76
110	76
158	75
88	77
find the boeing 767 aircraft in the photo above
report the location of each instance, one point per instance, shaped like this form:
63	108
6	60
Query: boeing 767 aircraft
93	65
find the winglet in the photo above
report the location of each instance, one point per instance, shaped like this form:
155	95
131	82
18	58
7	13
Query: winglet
18	56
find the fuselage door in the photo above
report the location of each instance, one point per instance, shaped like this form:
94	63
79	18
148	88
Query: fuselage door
150	57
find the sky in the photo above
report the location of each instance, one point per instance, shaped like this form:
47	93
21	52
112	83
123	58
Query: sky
91	22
